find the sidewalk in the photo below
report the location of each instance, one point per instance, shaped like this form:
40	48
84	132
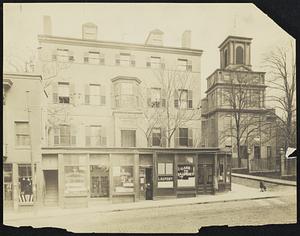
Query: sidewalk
238	193
266	179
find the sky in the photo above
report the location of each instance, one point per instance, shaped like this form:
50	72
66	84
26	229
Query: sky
131	22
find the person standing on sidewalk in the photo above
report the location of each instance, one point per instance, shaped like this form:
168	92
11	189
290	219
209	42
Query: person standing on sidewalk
262	186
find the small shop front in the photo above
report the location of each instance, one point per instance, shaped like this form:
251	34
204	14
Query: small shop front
130	175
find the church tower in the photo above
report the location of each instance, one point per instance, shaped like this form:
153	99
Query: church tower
235	53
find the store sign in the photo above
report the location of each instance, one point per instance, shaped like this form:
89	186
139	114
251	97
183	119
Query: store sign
165	181
186	176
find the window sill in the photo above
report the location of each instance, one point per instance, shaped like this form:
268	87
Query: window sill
26	203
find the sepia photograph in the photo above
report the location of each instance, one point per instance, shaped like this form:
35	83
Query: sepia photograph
148	117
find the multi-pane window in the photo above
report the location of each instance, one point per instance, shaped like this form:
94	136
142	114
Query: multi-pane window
183	99
164	168
94	94
184	65
63	92
126	88
183	136
126	95
25	183
128	138
22	133
94	57
156	137
63	55
95	135
125	59
155	62
256	152
155	97
269	152
64	135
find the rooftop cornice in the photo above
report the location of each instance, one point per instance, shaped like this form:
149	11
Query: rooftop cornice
234	38
119	45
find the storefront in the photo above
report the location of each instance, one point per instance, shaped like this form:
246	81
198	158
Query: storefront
135	174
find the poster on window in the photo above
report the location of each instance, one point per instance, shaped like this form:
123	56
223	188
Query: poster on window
165	182
186	176
75	183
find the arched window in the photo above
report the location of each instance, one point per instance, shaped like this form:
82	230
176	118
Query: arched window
239	55
225	58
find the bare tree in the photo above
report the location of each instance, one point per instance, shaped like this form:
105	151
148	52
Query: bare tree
245	126
175	108
281	67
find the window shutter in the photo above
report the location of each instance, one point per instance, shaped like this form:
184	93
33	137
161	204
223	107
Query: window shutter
86	57
73	135
102	59
56	135
148	63
102	95
54	55
71	56
163	141
149	97
163	97
176	137
189	65
55	92
118	59
72	93
176	98
132	60
162	64
88	136
190	99
87	94
103	136
190	137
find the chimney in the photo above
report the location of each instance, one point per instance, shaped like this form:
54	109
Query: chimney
89	31
155	37
47	25
186	39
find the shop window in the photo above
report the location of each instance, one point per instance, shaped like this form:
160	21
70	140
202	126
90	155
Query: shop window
25	183
165	175
63	92
22	133
128	138
123	179
75	180
185	175
7	180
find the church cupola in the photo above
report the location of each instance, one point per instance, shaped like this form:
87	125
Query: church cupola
235	52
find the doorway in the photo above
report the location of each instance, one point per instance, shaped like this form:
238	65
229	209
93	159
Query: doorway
51	187
99	181
205	178
146	183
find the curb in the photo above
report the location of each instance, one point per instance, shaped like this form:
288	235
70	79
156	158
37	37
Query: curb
267	180
140	208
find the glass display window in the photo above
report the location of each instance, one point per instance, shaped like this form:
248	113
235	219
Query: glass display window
25	183
75	180
123	179
7	178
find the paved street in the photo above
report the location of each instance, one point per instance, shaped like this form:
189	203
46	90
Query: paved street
176	218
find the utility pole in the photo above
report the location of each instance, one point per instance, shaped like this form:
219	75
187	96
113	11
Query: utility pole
31	156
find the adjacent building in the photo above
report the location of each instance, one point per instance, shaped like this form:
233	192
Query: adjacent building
23	132
234	106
